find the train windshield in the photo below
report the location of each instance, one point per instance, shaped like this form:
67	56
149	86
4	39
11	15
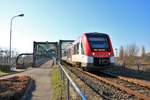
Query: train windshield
98	42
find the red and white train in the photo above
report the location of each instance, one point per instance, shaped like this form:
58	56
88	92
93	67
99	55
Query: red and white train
91	50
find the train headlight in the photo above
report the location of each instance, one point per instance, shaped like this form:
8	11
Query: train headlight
93	54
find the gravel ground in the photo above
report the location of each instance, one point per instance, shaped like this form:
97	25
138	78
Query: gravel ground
105	92
89	93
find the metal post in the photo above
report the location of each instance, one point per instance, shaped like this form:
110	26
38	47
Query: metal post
68	92
62	75
10	40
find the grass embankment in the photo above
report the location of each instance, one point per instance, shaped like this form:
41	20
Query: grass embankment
3	73
56	85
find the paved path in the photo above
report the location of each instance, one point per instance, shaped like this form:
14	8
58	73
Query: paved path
42	86
42	82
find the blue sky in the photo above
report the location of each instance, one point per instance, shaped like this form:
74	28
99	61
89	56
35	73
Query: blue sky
126	21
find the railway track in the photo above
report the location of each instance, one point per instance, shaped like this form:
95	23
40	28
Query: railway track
124	88
135	87
136	82
132	80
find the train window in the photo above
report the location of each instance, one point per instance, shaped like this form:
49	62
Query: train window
82	50
77	48
74	51
99	42
64	54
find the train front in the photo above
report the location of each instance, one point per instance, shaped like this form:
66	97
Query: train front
99	48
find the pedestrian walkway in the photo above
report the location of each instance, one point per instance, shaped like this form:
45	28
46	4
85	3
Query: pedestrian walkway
42	82
42	87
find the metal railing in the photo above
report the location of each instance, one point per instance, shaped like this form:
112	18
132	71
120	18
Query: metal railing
70	81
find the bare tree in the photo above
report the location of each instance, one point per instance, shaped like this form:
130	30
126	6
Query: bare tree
132	50
4	55
121	53
131	53
147	57
143	52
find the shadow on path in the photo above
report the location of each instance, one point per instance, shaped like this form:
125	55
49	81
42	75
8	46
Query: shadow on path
29	92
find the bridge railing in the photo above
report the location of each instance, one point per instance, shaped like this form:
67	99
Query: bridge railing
70	82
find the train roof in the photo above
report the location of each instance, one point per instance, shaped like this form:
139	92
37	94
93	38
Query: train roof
89	33
94	33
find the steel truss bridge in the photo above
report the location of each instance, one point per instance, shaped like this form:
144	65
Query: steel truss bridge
43	51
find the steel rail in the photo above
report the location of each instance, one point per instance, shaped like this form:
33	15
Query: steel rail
131	92
135	81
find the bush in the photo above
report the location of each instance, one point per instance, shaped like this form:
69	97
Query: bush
5	68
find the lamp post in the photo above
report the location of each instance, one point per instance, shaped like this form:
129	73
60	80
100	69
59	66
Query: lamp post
21	15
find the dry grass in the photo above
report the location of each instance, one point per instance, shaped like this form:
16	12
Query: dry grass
3	73
56	85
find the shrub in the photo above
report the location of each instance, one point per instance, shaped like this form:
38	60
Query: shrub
5	68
